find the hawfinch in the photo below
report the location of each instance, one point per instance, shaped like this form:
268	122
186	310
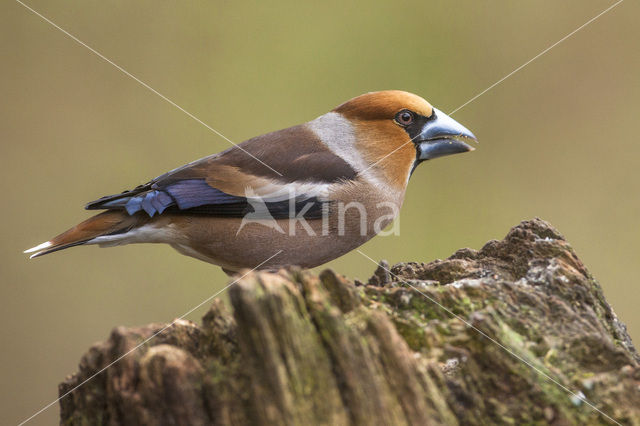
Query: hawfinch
299	196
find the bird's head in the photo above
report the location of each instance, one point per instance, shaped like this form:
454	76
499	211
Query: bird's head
395	131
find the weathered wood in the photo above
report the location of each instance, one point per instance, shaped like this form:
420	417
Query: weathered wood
302	349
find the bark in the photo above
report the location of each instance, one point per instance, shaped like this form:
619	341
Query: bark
473	339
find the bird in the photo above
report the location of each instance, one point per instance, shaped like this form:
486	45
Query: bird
300	196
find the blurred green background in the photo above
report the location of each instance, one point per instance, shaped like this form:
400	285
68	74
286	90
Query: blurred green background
558	140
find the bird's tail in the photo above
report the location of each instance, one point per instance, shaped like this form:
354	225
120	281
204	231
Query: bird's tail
107	224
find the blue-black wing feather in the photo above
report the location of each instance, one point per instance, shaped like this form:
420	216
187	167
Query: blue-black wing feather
185	189
195	196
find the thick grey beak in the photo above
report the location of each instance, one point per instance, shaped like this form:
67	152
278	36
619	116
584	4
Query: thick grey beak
441	136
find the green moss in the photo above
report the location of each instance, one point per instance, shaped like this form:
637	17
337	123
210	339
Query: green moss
411	332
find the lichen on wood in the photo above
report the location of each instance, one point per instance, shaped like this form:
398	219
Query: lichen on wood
472	339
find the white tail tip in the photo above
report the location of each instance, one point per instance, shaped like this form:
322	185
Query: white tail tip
38	248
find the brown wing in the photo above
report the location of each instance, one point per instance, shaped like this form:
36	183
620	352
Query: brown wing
219	184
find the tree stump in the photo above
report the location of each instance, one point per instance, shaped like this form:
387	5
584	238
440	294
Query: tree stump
473	339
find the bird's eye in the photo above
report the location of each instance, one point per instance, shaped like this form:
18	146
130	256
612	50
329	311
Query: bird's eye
404	117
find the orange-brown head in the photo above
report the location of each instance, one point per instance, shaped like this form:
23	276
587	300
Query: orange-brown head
396	130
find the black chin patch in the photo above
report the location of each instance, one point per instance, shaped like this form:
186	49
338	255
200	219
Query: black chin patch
413	130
